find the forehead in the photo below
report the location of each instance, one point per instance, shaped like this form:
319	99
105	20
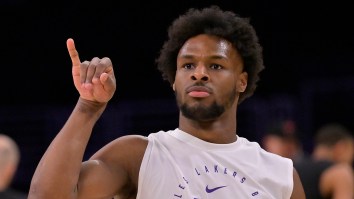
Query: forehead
208	44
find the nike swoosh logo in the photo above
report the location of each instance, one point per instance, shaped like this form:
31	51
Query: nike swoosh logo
213	189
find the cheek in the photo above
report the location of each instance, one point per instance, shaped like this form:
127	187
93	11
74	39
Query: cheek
225	94
180	79
226	86
178	87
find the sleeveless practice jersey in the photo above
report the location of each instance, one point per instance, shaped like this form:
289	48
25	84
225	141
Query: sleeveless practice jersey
179	165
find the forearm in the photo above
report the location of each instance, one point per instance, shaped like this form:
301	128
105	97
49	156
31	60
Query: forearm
58	171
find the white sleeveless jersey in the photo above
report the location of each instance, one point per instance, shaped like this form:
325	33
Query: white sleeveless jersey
179	165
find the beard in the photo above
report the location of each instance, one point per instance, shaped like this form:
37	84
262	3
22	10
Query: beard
203	112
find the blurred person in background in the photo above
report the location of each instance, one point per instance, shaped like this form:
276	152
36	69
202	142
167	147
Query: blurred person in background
334	142
329	172
282	138
9	160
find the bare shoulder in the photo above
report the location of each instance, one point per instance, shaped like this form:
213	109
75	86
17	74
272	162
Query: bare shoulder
340	169
337	172
298	190
123	157
123	148
338	181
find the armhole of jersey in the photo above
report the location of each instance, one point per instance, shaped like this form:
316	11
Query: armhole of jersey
290	179
143	166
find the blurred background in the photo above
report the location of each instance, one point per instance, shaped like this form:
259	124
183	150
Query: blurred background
308	55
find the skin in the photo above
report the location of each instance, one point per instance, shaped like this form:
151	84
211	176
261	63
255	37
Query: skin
9	158
208	61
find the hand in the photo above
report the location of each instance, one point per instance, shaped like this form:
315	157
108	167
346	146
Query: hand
95	80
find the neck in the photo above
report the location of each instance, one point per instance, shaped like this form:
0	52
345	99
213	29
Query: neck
221	130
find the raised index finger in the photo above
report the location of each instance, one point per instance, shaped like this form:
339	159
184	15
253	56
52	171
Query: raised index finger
74	55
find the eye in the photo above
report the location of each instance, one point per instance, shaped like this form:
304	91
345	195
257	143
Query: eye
188	66
216	66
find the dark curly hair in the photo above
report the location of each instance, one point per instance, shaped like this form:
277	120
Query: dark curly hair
213	21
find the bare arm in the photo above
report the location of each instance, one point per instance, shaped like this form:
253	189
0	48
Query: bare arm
114	169
298	190
58	172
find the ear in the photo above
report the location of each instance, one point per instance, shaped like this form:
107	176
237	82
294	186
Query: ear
173	87
242	82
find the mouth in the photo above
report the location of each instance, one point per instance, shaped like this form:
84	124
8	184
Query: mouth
198	91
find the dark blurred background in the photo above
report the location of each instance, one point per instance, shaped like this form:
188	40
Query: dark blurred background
308	54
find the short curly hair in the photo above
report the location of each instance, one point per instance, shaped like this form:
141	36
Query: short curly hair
213	21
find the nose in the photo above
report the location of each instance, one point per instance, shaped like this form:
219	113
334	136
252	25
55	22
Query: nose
200	73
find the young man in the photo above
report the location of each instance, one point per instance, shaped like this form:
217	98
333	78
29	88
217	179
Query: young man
212	60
